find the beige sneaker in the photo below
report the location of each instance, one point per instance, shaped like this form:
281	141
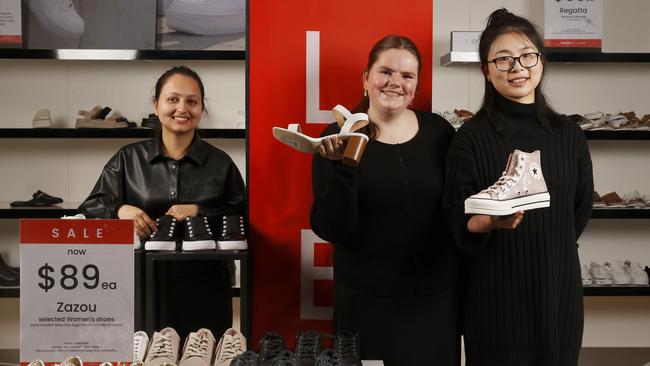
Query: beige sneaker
198	348
72	361
521	187
231	345
42	119
163	348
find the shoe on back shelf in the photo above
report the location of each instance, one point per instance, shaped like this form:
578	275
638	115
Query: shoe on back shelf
600	274
613	200
42	119
638	275
620	275
97	118
587	280
39	199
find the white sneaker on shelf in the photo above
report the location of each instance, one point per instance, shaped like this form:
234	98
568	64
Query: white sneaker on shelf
140	345
207	17
586	277
59	17
74	217
163	348
231	345
639	276
600	274
521	187
619	274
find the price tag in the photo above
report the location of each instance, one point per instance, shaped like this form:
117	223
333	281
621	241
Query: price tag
76	290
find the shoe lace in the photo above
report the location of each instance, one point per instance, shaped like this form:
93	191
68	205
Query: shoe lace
138	345
161	347
198	226
346	345
308	346
232	348
197	346
505	181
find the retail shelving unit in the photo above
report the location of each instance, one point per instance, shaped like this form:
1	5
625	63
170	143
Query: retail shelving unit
616	290
54	212
120	55
452	58
107	133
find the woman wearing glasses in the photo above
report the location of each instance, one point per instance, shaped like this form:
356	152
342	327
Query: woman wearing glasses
523	300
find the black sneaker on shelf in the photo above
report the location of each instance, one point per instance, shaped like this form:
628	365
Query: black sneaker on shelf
39	199
309	344
271	344
347	344
150	122
197	234
329	357
233	234
248	358
9	280
7	270
286	358
164	238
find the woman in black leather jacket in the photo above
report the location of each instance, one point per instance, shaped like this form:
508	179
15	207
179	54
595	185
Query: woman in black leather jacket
179	175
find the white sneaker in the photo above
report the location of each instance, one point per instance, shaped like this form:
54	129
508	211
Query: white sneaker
207	17
619	274
600	274
140	345
42	119
163	348
198	348
74	217
520	188
639	276
231	345
586	277
59	17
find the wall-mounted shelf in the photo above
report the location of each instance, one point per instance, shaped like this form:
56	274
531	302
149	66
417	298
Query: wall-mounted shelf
620	213
120	55
9	292
65	208
452	58
616	290
107	133
617	135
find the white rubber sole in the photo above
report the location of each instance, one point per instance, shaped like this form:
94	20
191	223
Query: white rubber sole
232	245
205	24
479	206
160	245
199	245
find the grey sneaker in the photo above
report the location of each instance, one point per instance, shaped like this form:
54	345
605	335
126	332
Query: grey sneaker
347	344
163	348
198	348
309	345
231	345
248	358
521	187
329	357
287	358
271	344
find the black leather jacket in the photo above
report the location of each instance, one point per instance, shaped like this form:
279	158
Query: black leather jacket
140	175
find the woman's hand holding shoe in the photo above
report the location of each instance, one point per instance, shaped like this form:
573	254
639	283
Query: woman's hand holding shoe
487	223
332	148
143	224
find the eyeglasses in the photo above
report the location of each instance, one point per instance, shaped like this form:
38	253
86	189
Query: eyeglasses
507	63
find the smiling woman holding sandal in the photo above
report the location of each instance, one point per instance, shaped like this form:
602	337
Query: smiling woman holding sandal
395	267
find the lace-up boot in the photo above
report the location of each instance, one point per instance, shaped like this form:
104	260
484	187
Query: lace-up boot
248	358
520	188
347	344
163	348
309	345
197	234
231	345
164	238
198	349
329	357
233	234
286	358
140	344
271	345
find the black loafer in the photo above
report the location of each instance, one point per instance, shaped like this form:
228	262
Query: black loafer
39	199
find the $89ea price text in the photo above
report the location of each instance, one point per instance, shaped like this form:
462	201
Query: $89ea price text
69	277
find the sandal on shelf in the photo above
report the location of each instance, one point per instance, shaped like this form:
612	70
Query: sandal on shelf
95	119
356	142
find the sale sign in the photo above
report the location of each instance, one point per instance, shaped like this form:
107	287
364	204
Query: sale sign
76	290
305	57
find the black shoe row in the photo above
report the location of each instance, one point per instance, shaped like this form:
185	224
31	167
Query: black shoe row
9	276
309	351
196	233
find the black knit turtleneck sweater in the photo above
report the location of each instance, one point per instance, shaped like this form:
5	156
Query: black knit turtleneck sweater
524	292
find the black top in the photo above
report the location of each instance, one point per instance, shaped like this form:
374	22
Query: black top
524	292
384	216
141	175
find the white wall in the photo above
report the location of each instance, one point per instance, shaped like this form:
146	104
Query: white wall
69	168
618	165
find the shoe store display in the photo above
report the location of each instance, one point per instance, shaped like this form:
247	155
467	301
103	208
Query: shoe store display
97	118
287	358
248	358
271	344
638	275
207	17
198	349
140	345
586	277
39	199
601	275
59	17
309	345
520	188
197	234
619	273
164	238
231	345
347	344
42	119
329	357
233	233
150	122
634	199
163	348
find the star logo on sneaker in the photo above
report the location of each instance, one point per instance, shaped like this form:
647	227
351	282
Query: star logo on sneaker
534	171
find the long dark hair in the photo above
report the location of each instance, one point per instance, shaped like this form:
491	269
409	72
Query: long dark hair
500	22
392	41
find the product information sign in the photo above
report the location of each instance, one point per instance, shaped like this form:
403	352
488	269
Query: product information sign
76	290
10	24
573	23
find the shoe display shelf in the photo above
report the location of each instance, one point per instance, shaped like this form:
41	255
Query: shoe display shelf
455	58
121	55
620	213
616	290
152	309
54	212
105	133
617	135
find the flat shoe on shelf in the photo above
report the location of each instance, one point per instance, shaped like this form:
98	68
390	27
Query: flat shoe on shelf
42	119
39	199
